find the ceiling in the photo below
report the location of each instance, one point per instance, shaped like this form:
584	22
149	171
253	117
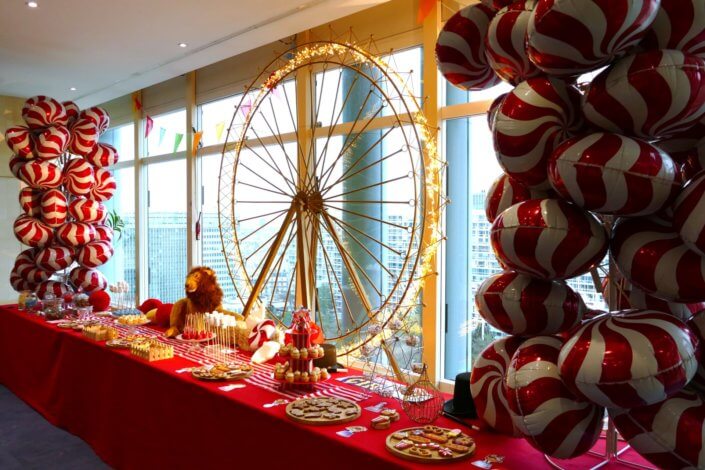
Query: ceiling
108	48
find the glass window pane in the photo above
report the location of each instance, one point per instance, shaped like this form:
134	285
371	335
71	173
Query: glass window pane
215	119
454	95
168	134
166	230
123	139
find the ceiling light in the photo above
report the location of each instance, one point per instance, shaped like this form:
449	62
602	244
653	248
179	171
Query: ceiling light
32	4
73	88
182	44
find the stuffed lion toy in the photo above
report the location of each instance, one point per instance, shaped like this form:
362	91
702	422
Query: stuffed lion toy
203	295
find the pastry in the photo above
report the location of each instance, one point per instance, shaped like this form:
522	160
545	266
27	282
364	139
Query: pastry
404	444
303	353
289	377
457	448
331	415
464	441
418	439
436	438
380	422
393	415
295	353
420	452
400	435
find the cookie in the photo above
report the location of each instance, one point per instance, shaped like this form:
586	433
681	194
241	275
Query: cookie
418	439
380	422
330	416
436	438
312	415
433	430
297	412
445	452
463	441
400	435
391	414
420	452
454	433
458	448
404	444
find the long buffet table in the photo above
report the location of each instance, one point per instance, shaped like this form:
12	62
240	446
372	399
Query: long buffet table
142	415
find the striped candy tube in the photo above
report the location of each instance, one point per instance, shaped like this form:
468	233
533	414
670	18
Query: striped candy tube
548	415
87	210
99	116
689	214
54	258
21	141
565	37
94	254
521	305
634	358
54	208
102	155
533	119
58	289
52	142
84	137
697	326
654	258
30	201
32	232
548	239
72	111
42	111
505	192
78	177
487	384
40	174
668	434
90	280
105	186
460	49
680	25
506	42
613	174
74	234
653	95
103	233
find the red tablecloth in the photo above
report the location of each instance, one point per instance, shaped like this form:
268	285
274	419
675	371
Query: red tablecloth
145	415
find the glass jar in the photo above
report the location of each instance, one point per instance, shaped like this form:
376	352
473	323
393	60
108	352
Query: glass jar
31	302
52	307
22	299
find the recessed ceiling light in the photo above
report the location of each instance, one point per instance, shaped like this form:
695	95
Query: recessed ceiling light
32	4
73	88
182	44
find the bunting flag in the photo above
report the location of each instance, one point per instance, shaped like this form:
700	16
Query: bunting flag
162	134
246	107
219	128
197	141
425	7
148	125
136	103
177	141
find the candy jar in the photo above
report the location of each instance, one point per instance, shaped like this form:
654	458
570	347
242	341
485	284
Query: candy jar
22	298
31	302
52	307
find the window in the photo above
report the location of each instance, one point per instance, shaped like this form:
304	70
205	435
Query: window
168	134
123	139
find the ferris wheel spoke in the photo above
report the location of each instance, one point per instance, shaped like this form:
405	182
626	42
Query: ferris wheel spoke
277	138
330	268
299	150
259	216
272	159
366	235
260	227
346	177
369	186
259	176
278	264
276	169
264	189
365	216
337	281
321	159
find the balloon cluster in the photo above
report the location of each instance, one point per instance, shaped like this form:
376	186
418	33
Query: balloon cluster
58	157
612	164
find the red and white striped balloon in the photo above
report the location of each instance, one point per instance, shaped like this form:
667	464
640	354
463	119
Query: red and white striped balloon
42	111
613	174
548	239
635	298
56	288
32	275
497	4
84	137
102	155
31	231
21	141
98	115
460	49
24	274
30	201
531	122
54	258
72	111
105	186
653	95
51	142
494	109
680	25
40	174
634	358
103	233
78	177
654	258
487	384
87	210
94	254
90	280
565	37
669	434
15	164
689	214
54	208
75	234
550	417
505	192
518	304
697	326
20	284
261	333
506	42
25	261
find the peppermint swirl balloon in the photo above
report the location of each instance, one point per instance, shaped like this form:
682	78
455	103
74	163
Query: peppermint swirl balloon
97	115
613	174
25	262
631	359
653	95
40	174
550	417
518	304
20	284
94	254
531	122
90	280
504	193
72	111
680	25
460	49
631	297
54	208
103	233
261	333
52	142
42	111
21	141
87	210
32	232
506	42
84	137
497	4
55	258
689	216
105	186
565	37
487	384
15	164
75	234
548	239
30	201
58	289
697	326
78	177
102	155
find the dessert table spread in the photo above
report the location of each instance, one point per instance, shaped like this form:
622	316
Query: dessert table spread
138	414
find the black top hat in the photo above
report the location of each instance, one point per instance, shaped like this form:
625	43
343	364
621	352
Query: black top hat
461	406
